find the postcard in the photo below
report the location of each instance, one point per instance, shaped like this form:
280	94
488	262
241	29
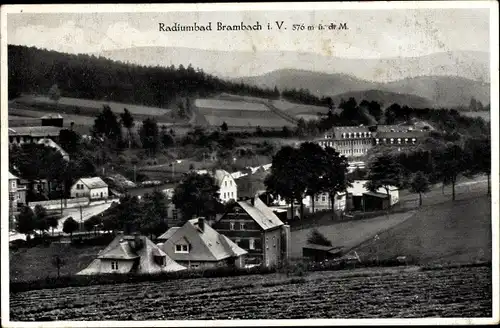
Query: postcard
247	164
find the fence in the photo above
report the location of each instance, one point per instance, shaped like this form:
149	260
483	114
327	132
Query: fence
66	203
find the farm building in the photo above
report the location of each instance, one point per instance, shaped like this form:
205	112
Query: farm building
17	193
32	134
197	245
358	189
52	120
131	254
94	188
255	227
319	253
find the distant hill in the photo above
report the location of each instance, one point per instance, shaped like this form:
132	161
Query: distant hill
385	98
472	65
432	91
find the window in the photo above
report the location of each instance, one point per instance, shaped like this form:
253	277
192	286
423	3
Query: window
13	184
242	226
174	214
267	242
274	241
231	225
251	243
225	183
323	198
231	183
237	241
232	194
195	266
114	265
181	248
317	198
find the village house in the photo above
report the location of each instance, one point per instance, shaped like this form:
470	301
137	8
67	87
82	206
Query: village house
93	188
17	193
196	245
255	227
227	186
361	199
131	254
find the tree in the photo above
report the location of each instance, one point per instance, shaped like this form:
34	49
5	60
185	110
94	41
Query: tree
53	222
479	150
106	125
317	238
391	113
419	184
334	179
54	93
224	127
383	172
149	134
127	120
287	178
69	140
197	194
25	222
167	139
451	162
41	222
153	221
70	226
312	157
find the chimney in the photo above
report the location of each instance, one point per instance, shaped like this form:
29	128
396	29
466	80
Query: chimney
137	242
252	201
201	224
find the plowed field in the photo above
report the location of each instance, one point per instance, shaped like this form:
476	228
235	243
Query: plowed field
361	293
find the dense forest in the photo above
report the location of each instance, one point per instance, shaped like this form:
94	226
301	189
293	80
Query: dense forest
33	70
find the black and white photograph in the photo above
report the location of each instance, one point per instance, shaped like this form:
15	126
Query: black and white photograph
249	164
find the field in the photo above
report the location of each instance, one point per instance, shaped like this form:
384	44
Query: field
239	112
458	232
296	109
90	106
484	115
361	293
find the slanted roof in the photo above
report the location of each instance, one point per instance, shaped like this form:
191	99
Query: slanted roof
121	249
93	183
206	245
51	116
261	214
219	175
12	176
35	131
168	233
376	194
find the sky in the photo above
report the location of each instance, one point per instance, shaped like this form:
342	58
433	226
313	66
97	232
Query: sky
371	33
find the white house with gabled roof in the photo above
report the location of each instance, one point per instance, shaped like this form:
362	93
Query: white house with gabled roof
228	188
93	188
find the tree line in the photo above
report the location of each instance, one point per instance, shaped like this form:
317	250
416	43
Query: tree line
33	70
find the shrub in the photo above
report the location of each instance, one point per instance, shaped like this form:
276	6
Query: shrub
317	238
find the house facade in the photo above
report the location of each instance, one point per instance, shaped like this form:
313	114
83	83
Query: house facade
227	186
131	254
254	227
17	193
93	188
32	134
358	200
196	245
349	141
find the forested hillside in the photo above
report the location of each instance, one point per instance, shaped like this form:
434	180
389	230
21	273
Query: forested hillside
33	70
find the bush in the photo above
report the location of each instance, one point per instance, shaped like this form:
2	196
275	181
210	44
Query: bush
317	238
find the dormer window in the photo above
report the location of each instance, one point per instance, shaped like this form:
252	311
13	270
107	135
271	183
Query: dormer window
161	260
231	225
182	248
242	226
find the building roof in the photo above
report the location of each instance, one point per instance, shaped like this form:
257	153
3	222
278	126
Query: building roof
376	194
12	176
51	116
121	249
358	188
329	249
401	134
168	233
93	183
261	214
50	143
35	131
206	245
219	175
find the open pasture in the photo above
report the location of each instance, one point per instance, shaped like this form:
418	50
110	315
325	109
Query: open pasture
230	105
295	109
93	106
362	293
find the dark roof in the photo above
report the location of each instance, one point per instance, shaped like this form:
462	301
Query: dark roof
206	245
376	194
401	134
329	249
261	214
35	131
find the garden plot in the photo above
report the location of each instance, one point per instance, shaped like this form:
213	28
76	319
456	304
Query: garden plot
230	105
295	109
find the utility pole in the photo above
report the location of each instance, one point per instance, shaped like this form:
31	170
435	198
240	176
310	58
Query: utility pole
81	218
135	177
173	170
